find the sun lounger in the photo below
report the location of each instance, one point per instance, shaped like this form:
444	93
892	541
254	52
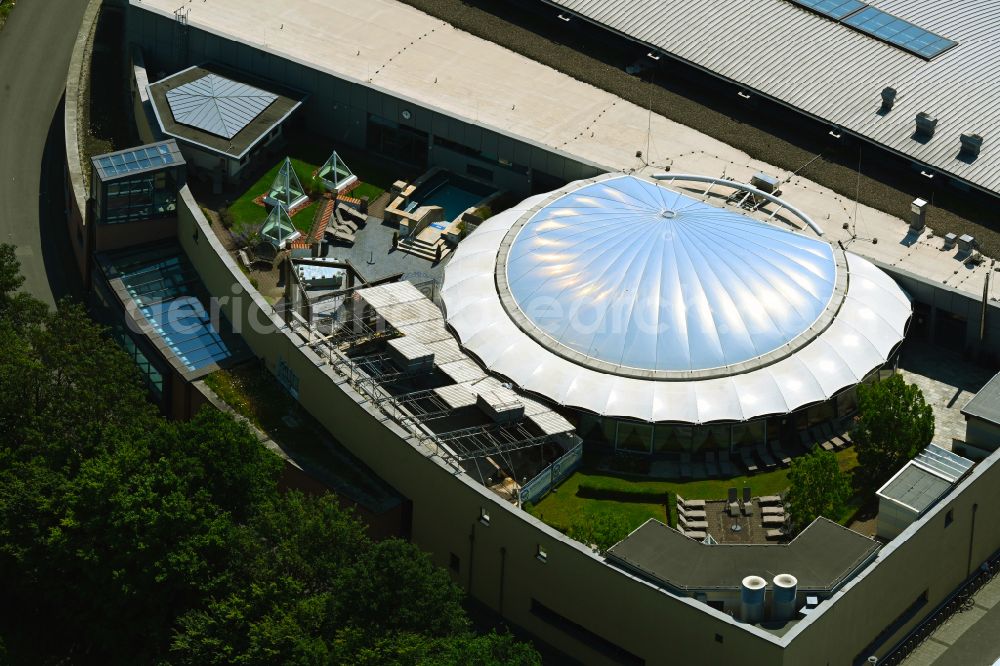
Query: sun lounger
772	511
779	453
773	534
342	236
831	437
807	441
769	499
773	521
697	535
765	457
733	508
747	503
748	461
690	504
691	514
822	439
693	524
348	226
726	466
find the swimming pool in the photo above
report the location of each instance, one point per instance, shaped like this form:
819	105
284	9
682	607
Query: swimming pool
452	193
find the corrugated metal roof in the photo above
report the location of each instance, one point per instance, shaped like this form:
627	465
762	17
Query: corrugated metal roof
835	73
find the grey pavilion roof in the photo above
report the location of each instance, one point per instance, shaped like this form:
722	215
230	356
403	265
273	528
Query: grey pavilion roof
985	404
822	557
219	109
835	73
217	104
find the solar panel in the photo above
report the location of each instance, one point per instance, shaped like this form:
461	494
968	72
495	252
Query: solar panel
835	9
218	105
898	32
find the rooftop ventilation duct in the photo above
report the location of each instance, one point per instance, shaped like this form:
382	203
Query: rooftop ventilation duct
888	98
971	144
783	598
752	590
926	124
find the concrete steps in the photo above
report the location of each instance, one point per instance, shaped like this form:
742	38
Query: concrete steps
423	249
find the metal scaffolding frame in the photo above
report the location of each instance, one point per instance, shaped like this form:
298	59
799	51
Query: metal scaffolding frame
412	406
487	440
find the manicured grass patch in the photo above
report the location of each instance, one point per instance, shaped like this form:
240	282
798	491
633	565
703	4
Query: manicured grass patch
588	493
246	213
563	507
373	192
304	218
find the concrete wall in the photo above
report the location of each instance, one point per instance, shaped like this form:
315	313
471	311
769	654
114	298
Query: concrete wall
76	185
942	300
982	437
337	108
498	563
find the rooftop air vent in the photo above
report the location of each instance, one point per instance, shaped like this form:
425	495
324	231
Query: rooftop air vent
888	98
971	144
926	124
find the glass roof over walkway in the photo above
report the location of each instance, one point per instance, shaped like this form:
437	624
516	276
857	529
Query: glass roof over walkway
161	289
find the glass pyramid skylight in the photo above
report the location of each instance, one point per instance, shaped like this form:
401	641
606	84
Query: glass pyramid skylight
286	190
335	174
278	228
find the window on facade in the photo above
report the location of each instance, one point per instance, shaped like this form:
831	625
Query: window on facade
484	516
949	517
287	378
146	196
453	562
541	555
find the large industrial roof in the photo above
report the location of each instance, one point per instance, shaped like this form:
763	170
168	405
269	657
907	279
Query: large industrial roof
822	557
625	274
782	339
834	71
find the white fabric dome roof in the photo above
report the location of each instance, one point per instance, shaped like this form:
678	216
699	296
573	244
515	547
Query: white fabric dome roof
846	319
634	275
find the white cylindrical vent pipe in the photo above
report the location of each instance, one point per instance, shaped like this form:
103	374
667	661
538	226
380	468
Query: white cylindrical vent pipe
752	599
783	597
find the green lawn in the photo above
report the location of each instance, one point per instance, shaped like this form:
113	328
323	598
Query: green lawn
245	213
563	506
375	179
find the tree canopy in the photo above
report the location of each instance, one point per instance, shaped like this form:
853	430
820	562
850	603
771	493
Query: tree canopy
126	538
818	487
894	423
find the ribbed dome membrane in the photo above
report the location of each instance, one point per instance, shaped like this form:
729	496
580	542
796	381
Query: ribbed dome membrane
635	275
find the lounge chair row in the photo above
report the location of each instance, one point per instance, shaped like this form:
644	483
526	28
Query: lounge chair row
825	437
345	223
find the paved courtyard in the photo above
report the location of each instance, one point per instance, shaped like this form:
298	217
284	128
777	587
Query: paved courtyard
948	382
372	255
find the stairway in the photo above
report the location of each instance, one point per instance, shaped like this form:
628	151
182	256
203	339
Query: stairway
422	248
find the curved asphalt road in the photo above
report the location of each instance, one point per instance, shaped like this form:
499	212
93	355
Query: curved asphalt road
35	48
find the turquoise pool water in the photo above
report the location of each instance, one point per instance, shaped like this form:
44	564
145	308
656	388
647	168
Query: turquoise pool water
453	193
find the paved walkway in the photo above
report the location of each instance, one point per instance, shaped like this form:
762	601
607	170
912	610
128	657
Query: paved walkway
968	638
35	47
948	382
